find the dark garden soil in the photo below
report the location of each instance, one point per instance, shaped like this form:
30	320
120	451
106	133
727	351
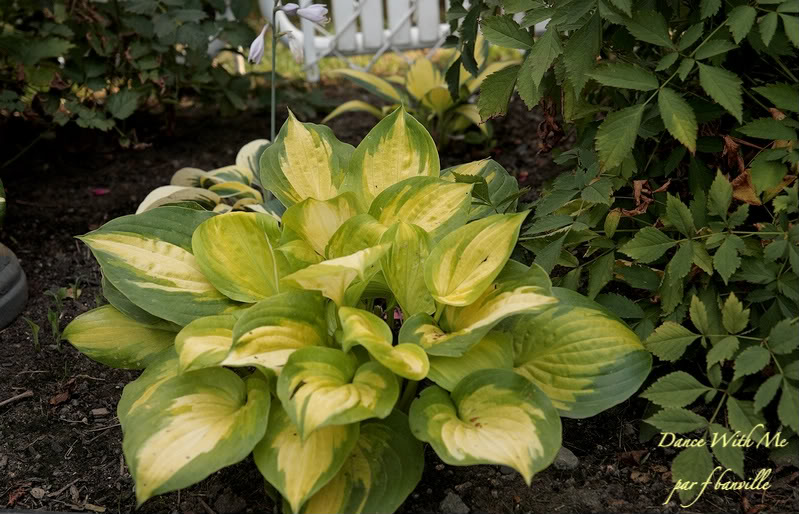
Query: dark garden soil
61	445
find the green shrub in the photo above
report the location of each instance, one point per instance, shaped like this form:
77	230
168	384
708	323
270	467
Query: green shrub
680	210
94	63
283	339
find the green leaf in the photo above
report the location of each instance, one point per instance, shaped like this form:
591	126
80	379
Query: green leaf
741	416
493	416
122	104
678	117
730	456
788	408
161	443
650	27
670	340
768	26
108	336
734	316
686	65
676	389
782	338
600	272
620	305
692	466
708	8
667	61
544	52
791	24
740	21
598	191
690	36
680	264
767	391
751	360
299	468
720	197
724	87
616	135
714	47
677	420
768	128
548	257
722	350
726	260
322	387
579	54
699	317
624	5
623	75
495	92
581	355
782	95
381	471
702	258
504	31
679	215
647	245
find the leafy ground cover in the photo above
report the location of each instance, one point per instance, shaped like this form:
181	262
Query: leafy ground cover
61	446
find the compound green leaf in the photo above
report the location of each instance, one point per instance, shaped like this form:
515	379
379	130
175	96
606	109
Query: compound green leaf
381	471
670	340
319	387
713	48
724	87
581	355
435	205
626	76
501	185
740	21
494	351
782	338
726	259
768	128
616	135
677	420
722	350
742	416
651	27
788	408
299	468
315	221
106	335
734	316
504	31
496	90
148	258
493	416
360	327
692	465
751	360
236	252
708	8
464	263
398	147
271	330
678	117
718	202
676	389
766	392
403	267
305	161
768	26
194	425
647	245
783	96
544	52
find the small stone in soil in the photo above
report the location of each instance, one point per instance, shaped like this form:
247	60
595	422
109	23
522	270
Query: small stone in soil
38	493
566	460
453	504
506	470
102	411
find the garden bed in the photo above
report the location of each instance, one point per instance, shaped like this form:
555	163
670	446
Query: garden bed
60	447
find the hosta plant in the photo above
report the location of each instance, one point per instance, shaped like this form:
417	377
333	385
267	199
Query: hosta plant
424	92
305	341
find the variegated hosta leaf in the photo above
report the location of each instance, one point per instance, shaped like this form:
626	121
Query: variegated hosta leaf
466	261
267	333
188	177
585	359
359	327
298	255
398	147
357	233
316	221
501	185
299	468
194	425
233	173
435	205
250	155
205	342
381	471
305	161
319	387
106	335
403	267
148	258
174	194
469	115
494	416
130	309
494	351
438	100
135	395
462	327
373	83
236	190
422	76
237	253
333	277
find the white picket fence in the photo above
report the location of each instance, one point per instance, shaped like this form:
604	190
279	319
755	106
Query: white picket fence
367	27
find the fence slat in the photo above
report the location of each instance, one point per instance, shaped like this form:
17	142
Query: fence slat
428	19
372	23
342	11
397	9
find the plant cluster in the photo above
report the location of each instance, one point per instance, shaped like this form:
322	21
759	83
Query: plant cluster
94	63
424	93
304	340
680	210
